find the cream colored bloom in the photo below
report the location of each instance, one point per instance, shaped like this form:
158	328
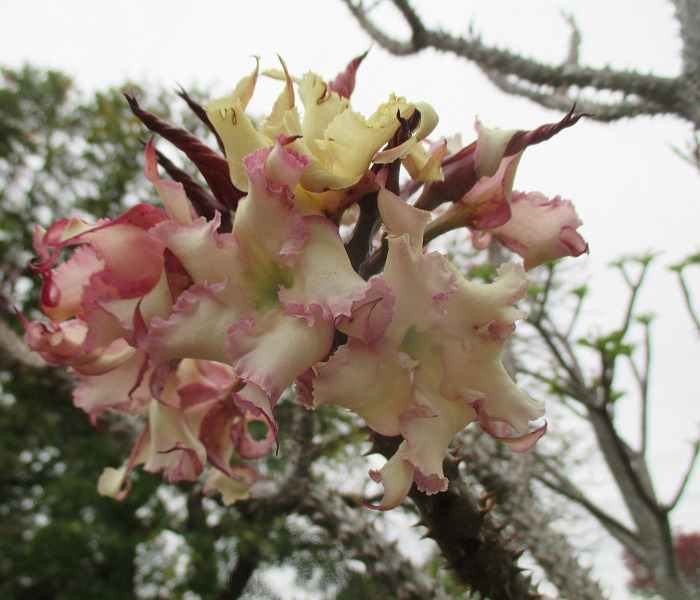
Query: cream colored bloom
338	142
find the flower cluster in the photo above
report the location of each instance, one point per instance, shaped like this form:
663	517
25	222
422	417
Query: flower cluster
197	317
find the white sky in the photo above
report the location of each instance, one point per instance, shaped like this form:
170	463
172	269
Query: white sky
630	189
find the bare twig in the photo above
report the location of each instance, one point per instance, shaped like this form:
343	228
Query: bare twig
686	478
557	86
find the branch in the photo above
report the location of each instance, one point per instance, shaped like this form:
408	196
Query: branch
469	538
686	478
564	486
509	477
695	259
515	74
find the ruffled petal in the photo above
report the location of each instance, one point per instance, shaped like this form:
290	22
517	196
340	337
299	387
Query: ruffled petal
269	208
273	350
370	316
62	292
483	370
372	381
421	284
324	281
518	444
256	402
350	143
198	325
111	389
206	254
247	446
428	432
479	312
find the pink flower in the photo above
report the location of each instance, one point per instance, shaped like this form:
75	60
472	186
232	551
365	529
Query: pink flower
338	142
266	296
194	422
437	367
479	184
99	302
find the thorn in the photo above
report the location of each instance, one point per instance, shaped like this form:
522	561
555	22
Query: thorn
490	499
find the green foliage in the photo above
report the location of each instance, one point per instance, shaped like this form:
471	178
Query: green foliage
611	345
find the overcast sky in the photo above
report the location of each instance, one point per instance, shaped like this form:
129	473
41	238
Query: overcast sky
631	190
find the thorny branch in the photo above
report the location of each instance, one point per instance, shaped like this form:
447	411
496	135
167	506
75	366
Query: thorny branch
559	86
510	477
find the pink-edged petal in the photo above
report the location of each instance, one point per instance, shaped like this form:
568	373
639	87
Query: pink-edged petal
483	371
324	281
372	381
199	323
59	346
371	316
206	254
215	434
269	207
105	359
62	292
246	446
202	380
111	389
428	432
156	303
485	206
133	259
255	401
232	488
397	478
541	229
421	284
172	193
103	326
272	350
484	311
174	450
